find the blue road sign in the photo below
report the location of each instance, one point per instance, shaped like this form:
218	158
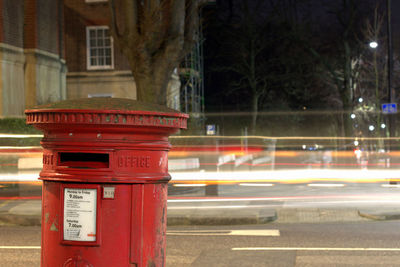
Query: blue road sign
211	129
389	108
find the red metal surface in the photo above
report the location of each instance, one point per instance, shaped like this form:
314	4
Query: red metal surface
92	148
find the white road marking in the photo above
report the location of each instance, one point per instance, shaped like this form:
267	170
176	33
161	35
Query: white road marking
227	232
19	247
326	185
256	232
312	249
391	185
189	185
220	207
218	199
352	199
256	184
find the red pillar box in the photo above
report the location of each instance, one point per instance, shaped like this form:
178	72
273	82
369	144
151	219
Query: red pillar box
105	175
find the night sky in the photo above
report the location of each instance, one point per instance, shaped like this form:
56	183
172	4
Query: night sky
318	13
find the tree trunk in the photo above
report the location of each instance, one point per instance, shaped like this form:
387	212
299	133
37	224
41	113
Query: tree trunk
254	113
152	86
154	36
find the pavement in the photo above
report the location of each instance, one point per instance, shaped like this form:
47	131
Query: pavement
28	213
20	212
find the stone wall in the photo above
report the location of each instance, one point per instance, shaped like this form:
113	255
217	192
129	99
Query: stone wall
101	83
119	84
12	87
47	84
29	77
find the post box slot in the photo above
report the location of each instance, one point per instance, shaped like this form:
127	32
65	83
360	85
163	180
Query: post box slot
84	160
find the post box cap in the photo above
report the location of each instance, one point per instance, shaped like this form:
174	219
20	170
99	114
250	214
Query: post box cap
106	111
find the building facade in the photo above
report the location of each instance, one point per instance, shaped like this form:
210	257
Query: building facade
52	50
96	67
32	65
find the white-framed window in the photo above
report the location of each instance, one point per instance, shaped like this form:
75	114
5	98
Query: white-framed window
99	48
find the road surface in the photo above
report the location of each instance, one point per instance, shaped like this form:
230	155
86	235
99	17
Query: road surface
338	244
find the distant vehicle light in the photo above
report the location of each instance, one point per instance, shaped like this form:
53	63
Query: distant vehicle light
357	152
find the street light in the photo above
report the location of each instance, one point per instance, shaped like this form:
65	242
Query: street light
373	44
371	128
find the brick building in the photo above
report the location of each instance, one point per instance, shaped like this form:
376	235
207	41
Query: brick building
32	65
95	65
61	49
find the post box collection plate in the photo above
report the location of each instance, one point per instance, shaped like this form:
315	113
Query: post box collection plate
80	214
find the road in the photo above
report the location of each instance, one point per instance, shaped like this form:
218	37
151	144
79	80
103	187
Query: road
339	244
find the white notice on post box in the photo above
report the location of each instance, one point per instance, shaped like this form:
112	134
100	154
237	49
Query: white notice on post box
80	214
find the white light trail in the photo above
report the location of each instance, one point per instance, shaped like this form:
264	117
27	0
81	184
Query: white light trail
2	135
391	185
312	249
256	184
326	185
259	178
19	177
217	207
19	247
293	175
189	185
268	232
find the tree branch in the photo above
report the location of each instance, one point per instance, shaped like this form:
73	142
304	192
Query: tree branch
191	25
113	23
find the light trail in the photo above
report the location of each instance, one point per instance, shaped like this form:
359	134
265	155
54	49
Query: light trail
288	176
21	198
189	185
240	137
5	135
326	185
20	247
291	176
256	184
391	185
19	177
264	137
312	249
366	198
266	232
219	207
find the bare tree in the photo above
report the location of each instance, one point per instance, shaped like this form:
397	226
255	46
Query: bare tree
260	55
341	60
248	49
245	41
154	35
373	78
